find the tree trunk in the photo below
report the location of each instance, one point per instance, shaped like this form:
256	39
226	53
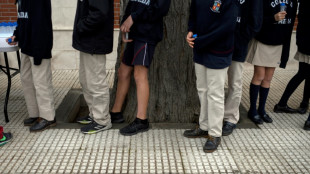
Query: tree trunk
173	93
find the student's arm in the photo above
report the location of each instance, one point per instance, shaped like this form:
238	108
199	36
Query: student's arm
206	40
287	42
153	12
255	19
97	14
42	29
192	17
268	17
14	38
127	13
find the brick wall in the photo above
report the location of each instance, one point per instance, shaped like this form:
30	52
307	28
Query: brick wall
8	11
116	13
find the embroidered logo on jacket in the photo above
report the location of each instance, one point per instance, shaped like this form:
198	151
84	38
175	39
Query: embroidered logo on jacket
216	6
242	1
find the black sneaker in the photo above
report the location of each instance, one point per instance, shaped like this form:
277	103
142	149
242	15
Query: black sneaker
195	133
135	127
95	128
6	138
117	117
30	121
42	124
228	128
84	120
211	144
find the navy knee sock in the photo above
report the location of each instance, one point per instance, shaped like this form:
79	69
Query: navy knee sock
263	95
254	90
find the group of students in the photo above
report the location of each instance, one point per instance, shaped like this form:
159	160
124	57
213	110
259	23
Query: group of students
261	35
223	35
142	29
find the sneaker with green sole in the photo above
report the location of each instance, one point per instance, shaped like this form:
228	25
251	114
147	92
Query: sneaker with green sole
6	138
84	120
95	128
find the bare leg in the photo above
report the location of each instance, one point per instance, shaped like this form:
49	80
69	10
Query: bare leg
259	75
268	77
141	78
123	83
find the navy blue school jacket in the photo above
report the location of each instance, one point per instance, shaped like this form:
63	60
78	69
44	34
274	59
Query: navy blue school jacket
147	16
34	32
278	33
303	29
249	22
214	21
93	26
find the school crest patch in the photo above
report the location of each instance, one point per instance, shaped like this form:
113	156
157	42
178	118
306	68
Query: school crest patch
216	6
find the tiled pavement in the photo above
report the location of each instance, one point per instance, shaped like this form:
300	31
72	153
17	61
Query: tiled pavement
280	147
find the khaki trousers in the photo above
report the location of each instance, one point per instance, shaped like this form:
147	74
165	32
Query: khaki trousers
235	73
93	80
210	86
37	86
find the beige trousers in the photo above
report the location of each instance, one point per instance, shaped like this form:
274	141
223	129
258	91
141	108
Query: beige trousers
37	86
235	73
93	80
210	86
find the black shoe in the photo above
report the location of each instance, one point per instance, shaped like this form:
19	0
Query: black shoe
307	126
30	121
95	128
135	127
117	117
195	133
302	110
211	144
256	119
84	120
6	138
283	109
42	124
228	128
266	118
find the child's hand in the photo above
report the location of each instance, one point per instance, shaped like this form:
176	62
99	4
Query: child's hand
190	39
280	16
124	38
125	28
12	38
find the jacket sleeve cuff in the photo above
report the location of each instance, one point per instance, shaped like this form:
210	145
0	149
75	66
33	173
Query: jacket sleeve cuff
191	29
37	61
16	35
271	20
134	17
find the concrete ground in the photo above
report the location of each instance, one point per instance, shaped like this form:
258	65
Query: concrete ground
280	147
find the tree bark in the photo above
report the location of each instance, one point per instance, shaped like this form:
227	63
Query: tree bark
173	93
